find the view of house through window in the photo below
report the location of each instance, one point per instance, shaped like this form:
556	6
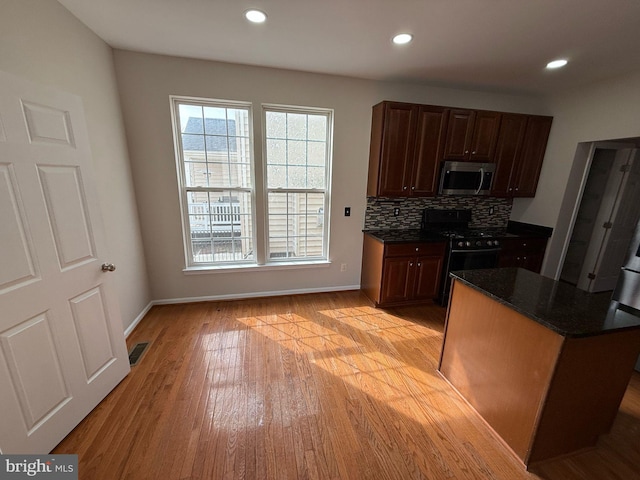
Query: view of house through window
297	144
215	162
217	187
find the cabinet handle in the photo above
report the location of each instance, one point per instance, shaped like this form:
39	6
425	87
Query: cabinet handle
419	264
417	249
404	188
510	189
524	244
516	189
413	188
473	153
411	264
466	151
524	258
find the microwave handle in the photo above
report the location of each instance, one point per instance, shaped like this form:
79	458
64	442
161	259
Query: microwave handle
481	180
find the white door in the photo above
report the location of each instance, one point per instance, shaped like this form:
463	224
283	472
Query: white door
614	226
623	223
62	347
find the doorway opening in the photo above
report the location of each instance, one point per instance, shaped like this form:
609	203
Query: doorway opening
605	216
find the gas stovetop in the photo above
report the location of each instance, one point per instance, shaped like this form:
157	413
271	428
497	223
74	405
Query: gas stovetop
472	238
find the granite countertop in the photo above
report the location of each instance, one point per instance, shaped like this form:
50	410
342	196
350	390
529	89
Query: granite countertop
405	236
558	306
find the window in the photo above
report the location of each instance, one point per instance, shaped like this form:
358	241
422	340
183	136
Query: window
221	205
297	152
215	166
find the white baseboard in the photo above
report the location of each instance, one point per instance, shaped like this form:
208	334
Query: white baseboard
233	296
240	296
138	319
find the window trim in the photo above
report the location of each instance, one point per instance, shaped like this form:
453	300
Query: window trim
183	189
329	113
259	191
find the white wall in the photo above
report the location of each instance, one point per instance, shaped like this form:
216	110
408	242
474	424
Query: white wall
145	83
603	111
41	41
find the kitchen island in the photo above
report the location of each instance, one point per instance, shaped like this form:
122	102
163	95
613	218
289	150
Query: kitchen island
544	364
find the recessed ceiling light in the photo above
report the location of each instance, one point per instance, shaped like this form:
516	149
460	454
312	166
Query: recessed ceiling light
557	63
255	16
402	38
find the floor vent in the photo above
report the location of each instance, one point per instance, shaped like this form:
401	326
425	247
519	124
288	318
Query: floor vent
136	352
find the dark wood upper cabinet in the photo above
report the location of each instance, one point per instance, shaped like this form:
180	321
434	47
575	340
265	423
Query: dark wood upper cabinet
429	140
533	149
471	135
507	152
405	149
409	141
519	153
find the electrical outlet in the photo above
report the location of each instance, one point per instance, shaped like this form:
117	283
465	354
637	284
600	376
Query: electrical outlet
347	211
396	212
343	267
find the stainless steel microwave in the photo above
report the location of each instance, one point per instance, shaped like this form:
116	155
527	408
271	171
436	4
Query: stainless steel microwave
466	178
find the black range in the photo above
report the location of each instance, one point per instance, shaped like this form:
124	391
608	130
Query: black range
468	248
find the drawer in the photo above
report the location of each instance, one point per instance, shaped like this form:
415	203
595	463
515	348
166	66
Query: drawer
406	249
525	244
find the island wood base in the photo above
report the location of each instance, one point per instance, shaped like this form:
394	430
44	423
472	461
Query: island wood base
544	394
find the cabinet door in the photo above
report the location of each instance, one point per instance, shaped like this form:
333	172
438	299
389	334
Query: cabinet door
532	154
459	133
512	128
397	149
429	139
397	279
427	281
485	135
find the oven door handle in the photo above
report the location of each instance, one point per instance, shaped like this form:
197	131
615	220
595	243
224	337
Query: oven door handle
480	250
481	181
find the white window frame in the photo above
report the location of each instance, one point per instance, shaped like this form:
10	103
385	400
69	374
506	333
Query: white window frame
258	191
175	101
326	191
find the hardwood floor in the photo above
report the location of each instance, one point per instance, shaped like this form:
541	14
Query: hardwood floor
311	386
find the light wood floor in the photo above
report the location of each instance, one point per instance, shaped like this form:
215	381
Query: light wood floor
310	386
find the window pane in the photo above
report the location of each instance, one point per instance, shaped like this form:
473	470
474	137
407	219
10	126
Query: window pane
276	125
193	113
276	176
219	175
195	174
296	152
277	151
317	127
315	177
215	121
296	177
297	126
296	224
193	143
317	153
221	226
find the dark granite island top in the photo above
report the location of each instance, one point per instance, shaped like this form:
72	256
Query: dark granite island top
558	306
544	364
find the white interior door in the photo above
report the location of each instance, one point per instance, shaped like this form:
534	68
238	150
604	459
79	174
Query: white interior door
623	223
614	226
62	347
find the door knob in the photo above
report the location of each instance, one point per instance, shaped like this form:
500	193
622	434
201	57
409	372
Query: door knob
108	267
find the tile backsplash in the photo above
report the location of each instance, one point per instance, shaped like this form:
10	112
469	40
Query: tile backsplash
379	213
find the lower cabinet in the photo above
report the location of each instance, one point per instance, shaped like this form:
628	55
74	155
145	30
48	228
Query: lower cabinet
523	252
396	274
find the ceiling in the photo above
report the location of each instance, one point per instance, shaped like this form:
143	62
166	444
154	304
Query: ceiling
480	44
